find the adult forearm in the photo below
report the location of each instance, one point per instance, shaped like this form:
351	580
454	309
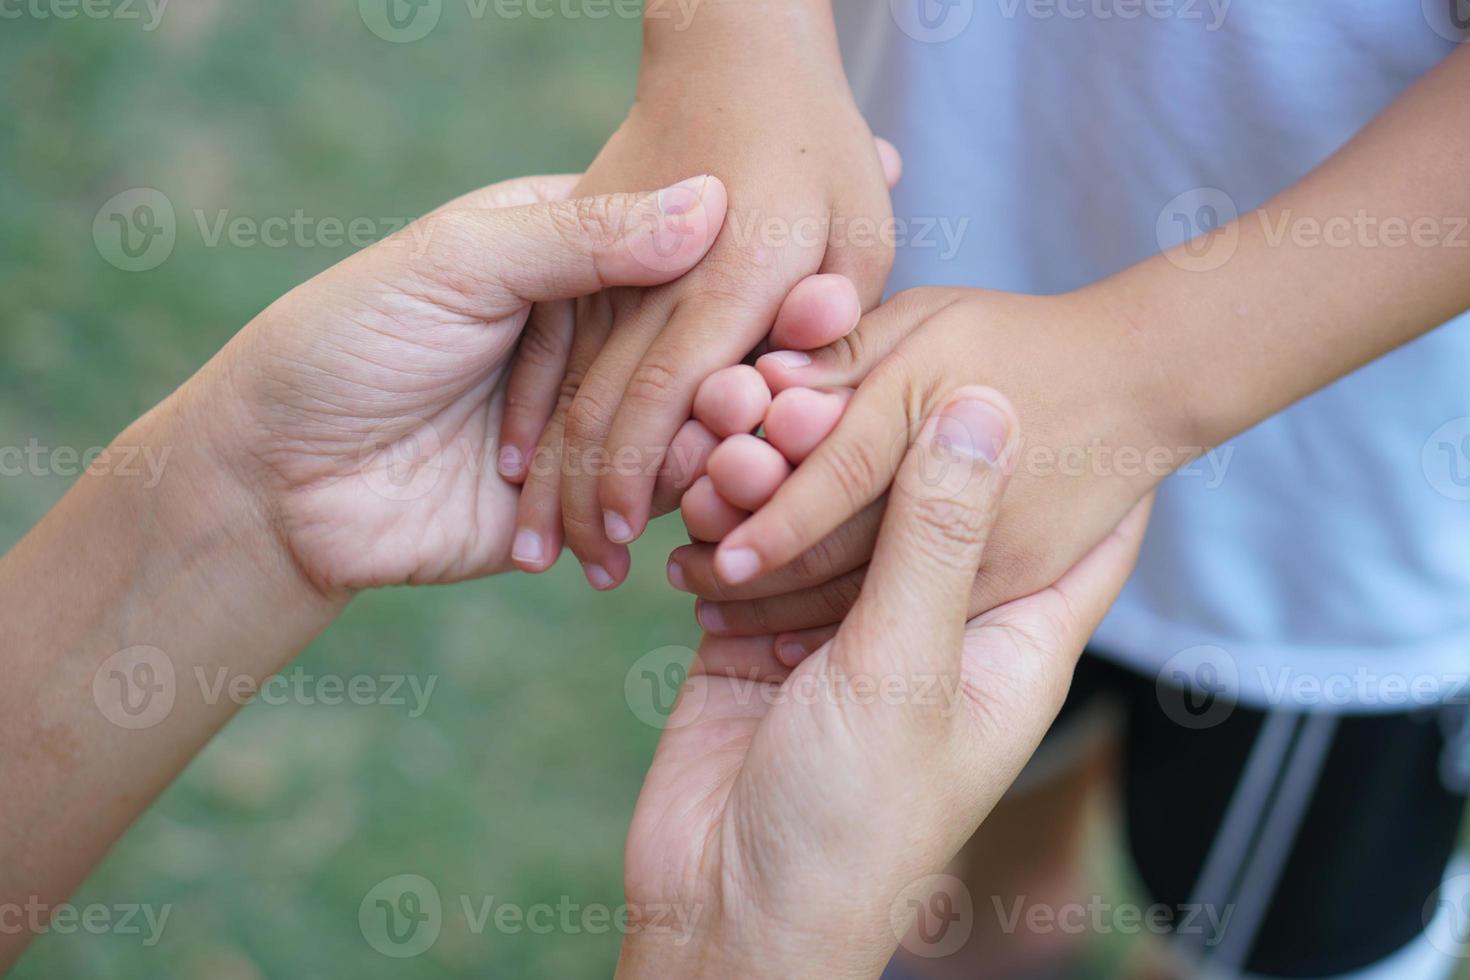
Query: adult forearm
1366	253
121	609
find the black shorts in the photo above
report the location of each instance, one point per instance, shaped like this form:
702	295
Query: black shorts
1324	837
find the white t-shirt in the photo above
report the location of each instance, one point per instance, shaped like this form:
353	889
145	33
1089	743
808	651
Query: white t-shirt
1322	559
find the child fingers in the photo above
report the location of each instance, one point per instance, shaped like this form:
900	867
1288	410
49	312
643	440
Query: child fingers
746	471
818	311
692	567
683	464
800	418
707	515
732	400
822	605
534	385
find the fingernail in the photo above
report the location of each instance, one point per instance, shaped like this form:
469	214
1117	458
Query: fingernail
709	616
619	531
790	359
790	651
683	197
598	576
676	577
738	565
527	547
511	461
972	428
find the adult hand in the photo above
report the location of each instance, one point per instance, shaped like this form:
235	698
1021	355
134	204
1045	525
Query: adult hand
787	811
616	373
362	408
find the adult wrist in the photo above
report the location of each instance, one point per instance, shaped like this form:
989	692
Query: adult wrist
207	505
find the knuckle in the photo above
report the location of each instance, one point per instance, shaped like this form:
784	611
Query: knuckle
848	350
587	418
838	598
817	563
854	468
653	383
541	346
591	219
947	530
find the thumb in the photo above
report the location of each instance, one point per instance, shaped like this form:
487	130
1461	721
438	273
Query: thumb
910	617
502	259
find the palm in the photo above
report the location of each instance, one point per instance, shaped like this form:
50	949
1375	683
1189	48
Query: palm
380	431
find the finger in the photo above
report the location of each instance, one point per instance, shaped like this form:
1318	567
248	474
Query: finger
848	360
818	311
592	538
847	472
707	515
732	400
538	539
492	262
849	547
800	418
913	605
685	463
535	383
539	535
749	658
746	471
823	605
792	648
701	338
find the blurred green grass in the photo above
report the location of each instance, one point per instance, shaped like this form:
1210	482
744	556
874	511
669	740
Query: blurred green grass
519	779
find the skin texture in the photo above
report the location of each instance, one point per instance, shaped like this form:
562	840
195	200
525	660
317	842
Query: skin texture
616	373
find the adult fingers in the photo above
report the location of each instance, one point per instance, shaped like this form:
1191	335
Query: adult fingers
914	603
488	263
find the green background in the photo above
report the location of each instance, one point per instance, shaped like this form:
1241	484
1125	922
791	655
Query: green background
519	780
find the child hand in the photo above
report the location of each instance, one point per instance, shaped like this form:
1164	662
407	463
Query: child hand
611	377
798	563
